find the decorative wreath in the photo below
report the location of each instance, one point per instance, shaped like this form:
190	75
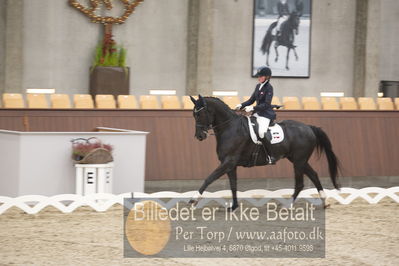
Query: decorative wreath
91	151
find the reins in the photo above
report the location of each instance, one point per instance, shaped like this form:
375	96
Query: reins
210	126
213	127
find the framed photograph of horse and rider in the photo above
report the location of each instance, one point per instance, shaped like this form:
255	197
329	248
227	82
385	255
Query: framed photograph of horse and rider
281	37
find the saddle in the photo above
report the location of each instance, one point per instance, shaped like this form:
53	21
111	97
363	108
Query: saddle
274	134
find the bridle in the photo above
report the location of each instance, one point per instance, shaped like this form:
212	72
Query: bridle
201	126
209	126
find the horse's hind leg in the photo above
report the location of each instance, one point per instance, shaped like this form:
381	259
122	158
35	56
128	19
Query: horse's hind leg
299	171
275	48
314	177
233	185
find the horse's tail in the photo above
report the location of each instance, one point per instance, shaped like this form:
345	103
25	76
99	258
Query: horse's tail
324	145
267	40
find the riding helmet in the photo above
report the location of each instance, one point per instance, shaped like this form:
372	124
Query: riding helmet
264	71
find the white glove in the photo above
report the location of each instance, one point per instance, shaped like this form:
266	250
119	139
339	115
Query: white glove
249	109
238	107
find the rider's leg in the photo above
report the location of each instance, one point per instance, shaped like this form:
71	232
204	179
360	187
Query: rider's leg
277	28
263	125
279	22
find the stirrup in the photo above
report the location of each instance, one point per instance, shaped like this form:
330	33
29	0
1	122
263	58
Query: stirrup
271	160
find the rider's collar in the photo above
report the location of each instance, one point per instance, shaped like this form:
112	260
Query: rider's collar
263	84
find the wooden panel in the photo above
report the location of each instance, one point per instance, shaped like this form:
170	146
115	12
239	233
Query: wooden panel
364	141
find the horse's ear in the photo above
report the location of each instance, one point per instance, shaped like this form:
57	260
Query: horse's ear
192	99
201	99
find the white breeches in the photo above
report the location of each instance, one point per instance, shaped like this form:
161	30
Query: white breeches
280	21
263	124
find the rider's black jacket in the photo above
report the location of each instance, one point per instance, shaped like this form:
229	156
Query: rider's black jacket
263	98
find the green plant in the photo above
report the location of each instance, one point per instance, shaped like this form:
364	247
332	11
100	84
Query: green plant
122	57
107	53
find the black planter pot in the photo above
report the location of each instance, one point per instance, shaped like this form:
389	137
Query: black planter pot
109	80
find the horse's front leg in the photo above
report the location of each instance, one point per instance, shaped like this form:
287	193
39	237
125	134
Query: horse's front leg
296	55
233	186
288	57
225	167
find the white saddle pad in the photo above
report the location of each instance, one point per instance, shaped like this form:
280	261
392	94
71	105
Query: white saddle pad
276	132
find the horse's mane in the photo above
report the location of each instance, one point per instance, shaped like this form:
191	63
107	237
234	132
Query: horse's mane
220	102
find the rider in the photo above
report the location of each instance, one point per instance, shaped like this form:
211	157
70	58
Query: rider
283	13
263	95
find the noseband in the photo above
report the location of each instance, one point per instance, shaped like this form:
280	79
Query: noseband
203	127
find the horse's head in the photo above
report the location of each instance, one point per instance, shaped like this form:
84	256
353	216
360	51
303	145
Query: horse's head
203	117
296	15
294	20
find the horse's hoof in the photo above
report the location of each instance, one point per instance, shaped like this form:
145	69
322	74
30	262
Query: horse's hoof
327	203
275	60
287	68
193	202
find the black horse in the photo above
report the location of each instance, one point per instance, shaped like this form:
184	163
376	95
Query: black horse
235	147
285	38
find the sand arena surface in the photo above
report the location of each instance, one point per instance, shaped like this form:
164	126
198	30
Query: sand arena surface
357	234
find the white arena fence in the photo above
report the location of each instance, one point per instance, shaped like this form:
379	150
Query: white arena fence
101	202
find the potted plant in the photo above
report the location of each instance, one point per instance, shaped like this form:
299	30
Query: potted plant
91	151
109	73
